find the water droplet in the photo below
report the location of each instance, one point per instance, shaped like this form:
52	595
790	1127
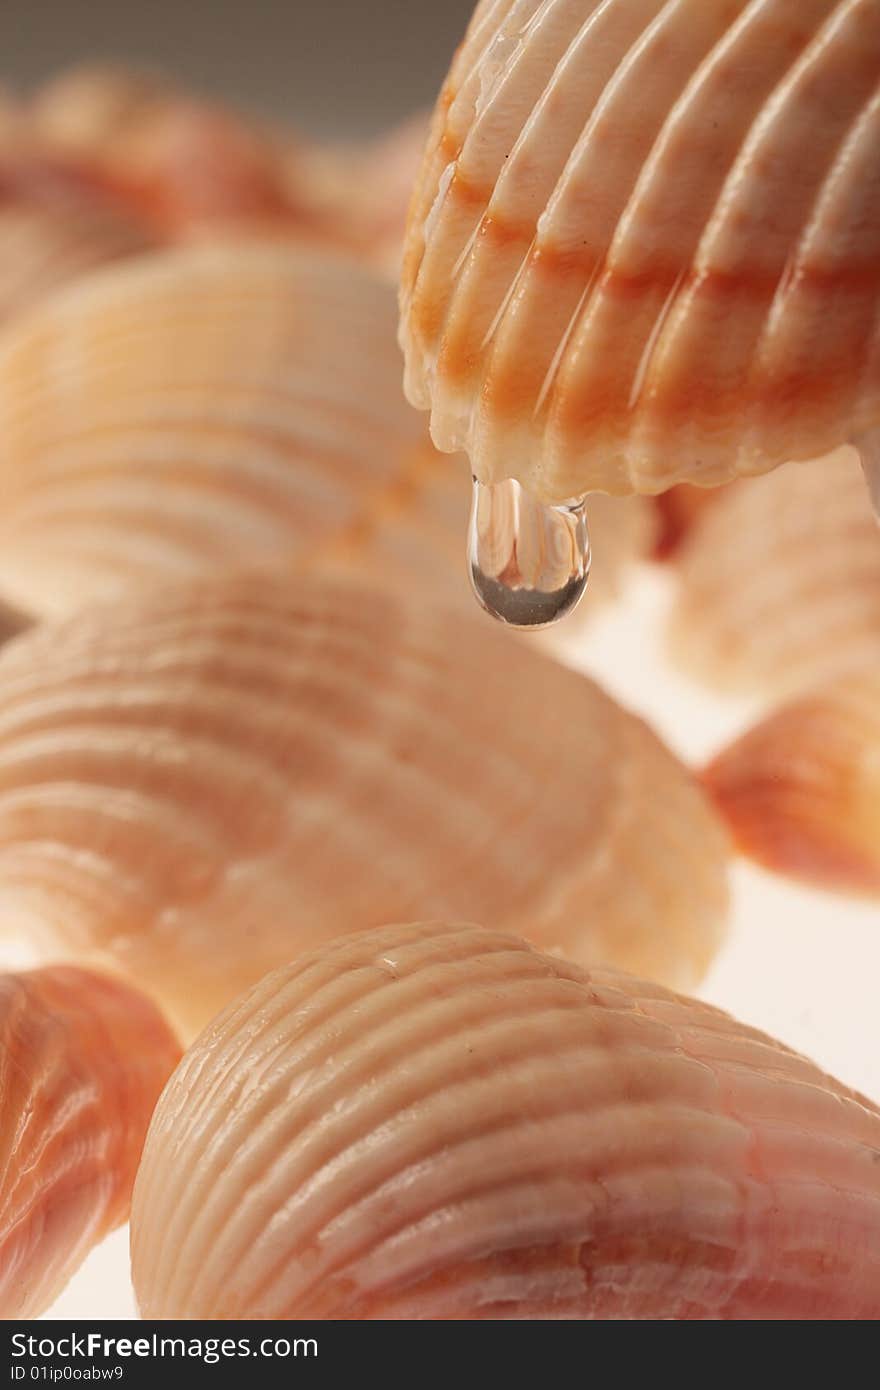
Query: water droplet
529	563
869	453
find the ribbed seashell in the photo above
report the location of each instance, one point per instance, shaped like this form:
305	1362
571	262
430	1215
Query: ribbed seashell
196	408
200	170
216	405
644	246
189	165
780	581
57	223
436	1122
801	791
82	1061
199	786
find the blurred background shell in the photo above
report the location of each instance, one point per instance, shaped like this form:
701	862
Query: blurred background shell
436	1122
57	222
801	790
644	245
779	581
82	1059
199	786
227	404
194	408
198	169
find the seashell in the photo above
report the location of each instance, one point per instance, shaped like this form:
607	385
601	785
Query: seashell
97	111
57	222
780	581
436	1122
188	164
196	408
420	536
83	1059
199	786
801	791
217	405
12	622
677	513
199	170
644	245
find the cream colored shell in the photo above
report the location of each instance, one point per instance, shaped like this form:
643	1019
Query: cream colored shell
437	1122
199	786
197	408
779	581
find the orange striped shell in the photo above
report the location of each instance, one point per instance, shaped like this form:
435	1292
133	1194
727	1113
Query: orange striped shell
57	222
801	791
198	169
200	785
190	166
82	1061
644	247
437	1122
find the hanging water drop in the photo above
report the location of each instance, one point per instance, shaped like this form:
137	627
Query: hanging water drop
869	453
529	563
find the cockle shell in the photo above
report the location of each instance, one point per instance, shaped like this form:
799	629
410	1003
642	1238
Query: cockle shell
193	409
96	112
437	1122
210	406
82	1061
190	165
201	785
780	580
56	223
198	169
644	247
801	791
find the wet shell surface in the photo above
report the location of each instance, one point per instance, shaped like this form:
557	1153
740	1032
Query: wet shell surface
644	246
200	786
437	1122
801	791
222	405
83	1059
780	581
